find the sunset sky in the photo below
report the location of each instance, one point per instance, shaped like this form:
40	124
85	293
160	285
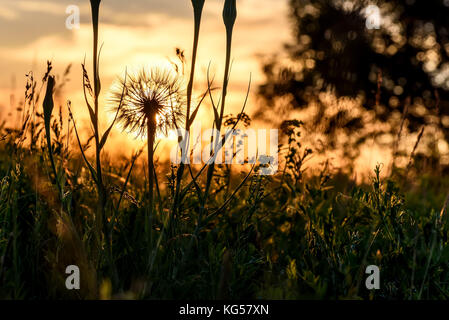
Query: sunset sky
140	33
134	34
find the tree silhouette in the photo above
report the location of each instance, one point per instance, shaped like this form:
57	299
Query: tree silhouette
402	67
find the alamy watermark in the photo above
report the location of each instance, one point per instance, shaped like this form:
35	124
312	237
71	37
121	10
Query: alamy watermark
72	282
73	20
373	280
235	146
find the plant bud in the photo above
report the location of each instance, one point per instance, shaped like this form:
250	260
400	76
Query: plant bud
229	14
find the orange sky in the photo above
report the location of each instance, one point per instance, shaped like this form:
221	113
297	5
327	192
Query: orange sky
140	33
134	34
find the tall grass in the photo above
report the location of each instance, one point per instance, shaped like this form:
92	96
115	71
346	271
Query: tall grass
209	234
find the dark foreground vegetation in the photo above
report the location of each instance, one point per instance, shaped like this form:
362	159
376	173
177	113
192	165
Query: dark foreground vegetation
140	229
287	236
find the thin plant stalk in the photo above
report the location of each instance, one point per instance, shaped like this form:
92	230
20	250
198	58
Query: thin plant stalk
198	6
151	123
95	5
101	228
229	17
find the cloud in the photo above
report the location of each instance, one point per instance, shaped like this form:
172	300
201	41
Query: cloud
7	14
137	33
48	7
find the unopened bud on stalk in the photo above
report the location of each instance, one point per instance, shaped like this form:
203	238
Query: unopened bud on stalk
198	5
229	14
197	11
95	7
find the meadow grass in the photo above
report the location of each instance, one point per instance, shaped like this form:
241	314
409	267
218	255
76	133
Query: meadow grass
211	232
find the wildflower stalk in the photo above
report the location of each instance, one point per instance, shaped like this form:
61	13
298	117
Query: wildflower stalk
229	17
95	6
151	123
198	6
101	227
48	106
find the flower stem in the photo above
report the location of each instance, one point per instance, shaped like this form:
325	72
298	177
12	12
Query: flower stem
198	10
151	136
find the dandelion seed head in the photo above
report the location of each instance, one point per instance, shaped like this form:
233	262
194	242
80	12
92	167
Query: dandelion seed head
155	96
